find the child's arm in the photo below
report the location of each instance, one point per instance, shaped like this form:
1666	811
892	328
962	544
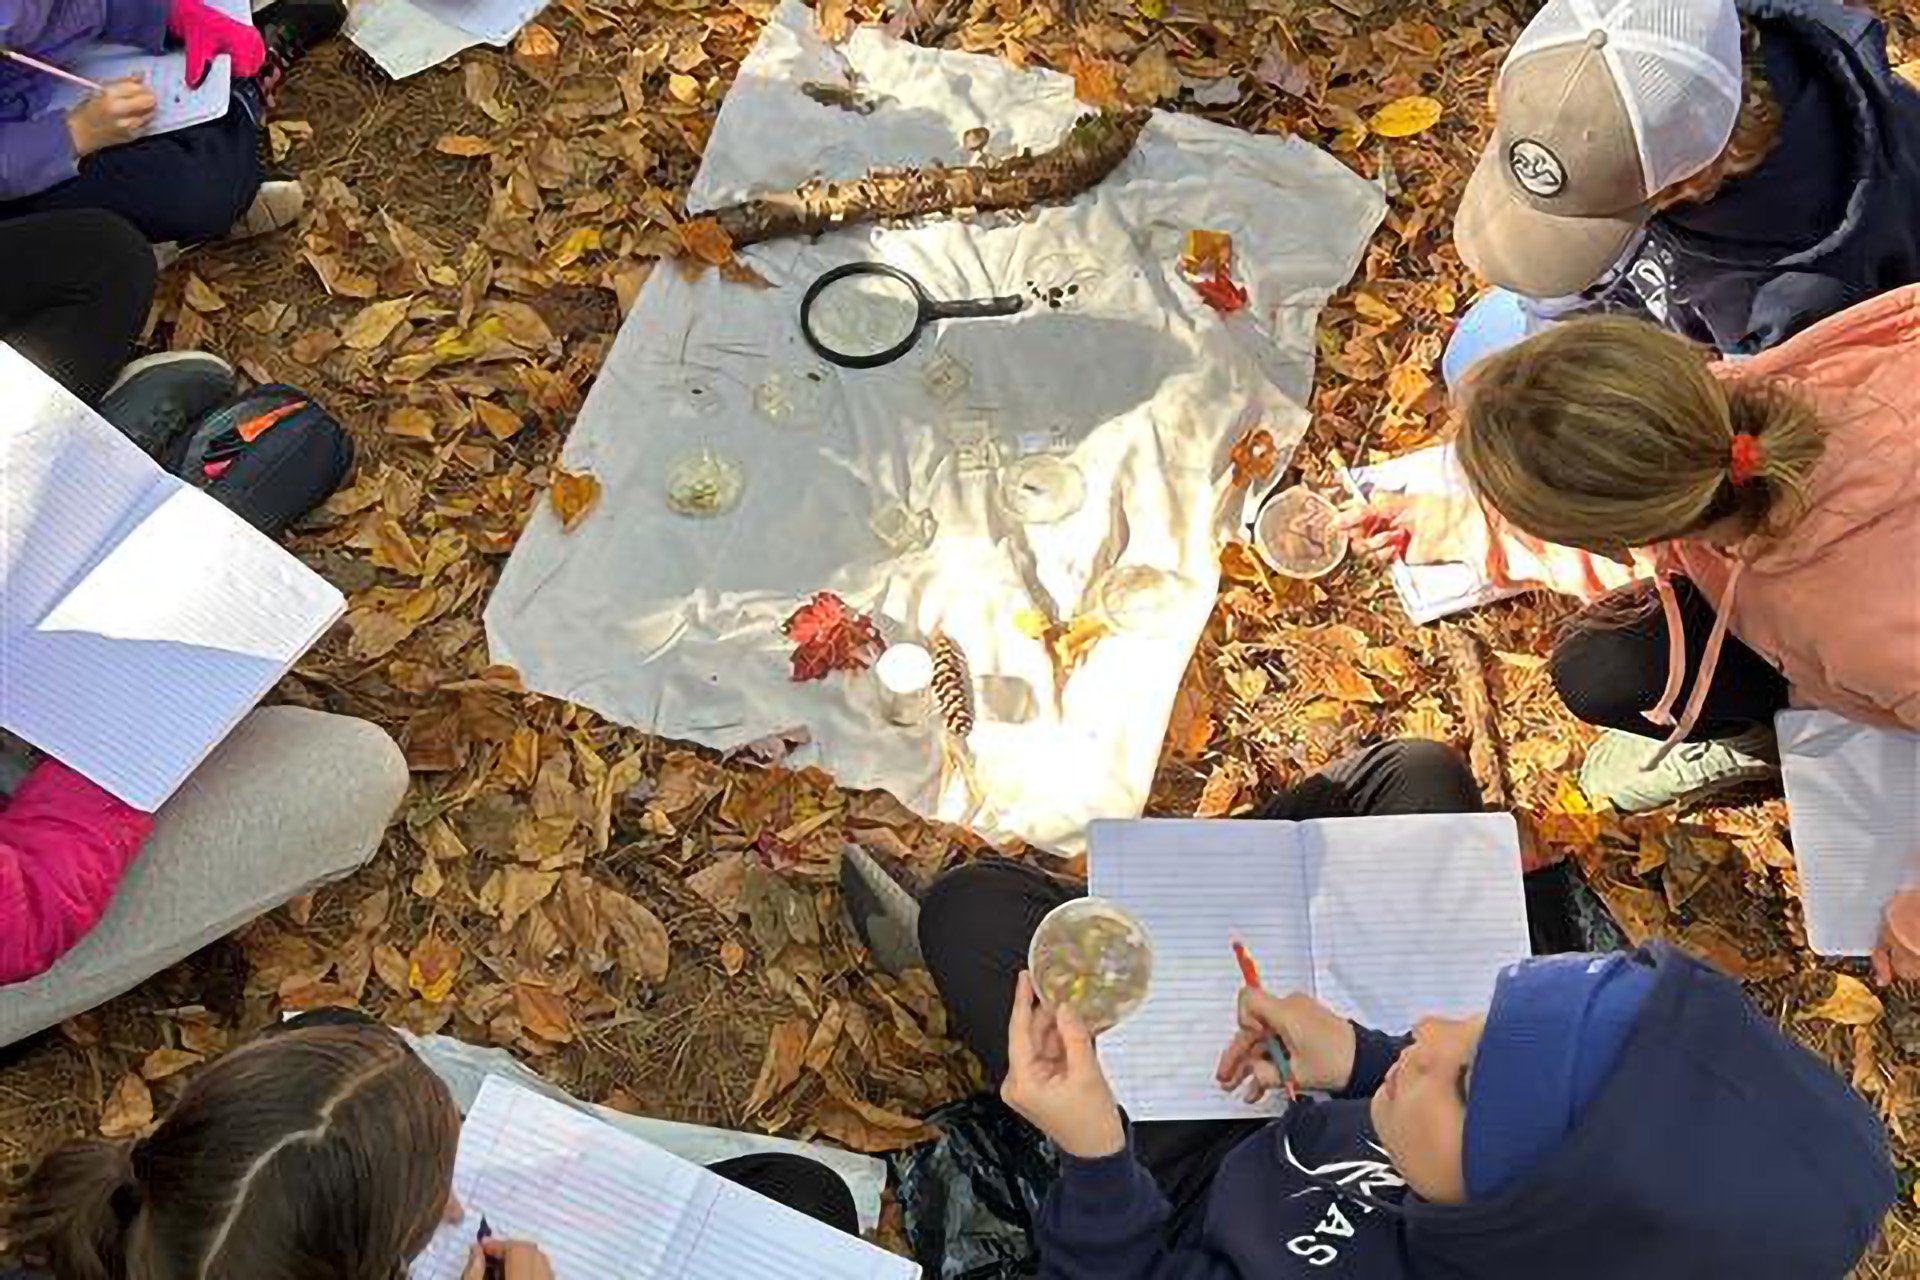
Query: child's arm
64	845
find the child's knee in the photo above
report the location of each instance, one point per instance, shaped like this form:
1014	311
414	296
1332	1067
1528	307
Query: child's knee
1598	677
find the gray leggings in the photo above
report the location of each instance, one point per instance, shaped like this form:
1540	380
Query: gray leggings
292	799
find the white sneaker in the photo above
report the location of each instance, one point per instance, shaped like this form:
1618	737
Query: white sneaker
275	205
1616	770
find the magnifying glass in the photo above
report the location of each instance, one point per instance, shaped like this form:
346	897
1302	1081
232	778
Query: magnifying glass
866	314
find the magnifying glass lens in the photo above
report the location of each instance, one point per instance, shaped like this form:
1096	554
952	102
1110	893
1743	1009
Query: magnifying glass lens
863	315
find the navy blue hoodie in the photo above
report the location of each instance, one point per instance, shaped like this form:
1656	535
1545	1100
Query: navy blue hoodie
1717	1150
1827	220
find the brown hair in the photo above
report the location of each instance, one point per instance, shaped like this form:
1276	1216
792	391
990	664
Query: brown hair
1754	133
319	1154
1606	433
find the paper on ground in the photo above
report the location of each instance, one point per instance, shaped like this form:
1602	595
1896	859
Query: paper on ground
139	618
466	1067
177	105
1430	592
1853	802
407	36
1385	920
673	624
603	1203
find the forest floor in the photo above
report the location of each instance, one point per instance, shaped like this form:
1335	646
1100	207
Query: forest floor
654	927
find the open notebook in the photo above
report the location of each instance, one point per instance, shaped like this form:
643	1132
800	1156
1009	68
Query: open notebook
1853	801
139	618
178	105
1430	592
1383	919
605	1205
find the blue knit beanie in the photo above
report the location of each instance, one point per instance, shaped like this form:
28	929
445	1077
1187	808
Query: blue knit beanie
1553	1034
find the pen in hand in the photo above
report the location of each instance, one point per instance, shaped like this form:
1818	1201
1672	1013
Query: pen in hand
1276	1048
496	1268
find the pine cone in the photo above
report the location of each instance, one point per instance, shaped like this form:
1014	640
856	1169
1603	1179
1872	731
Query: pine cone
952	686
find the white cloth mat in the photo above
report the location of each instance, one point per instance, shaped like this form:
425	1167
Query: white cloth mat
673	624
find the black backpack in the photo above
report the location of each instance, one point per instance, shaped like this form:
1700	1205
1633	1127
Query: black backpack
270	455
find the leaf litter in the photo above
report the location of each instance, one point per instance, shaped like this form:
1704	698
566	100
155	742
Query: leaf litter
657	927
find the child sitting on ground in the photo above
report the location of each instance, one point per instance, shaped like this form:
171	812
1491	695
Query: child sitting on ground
193	184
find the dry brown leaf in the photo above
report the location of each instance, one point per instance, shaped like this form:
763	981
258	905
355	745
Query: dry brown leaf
162	1063
1850	1002
640	940
1222	789
834	20
1406	117
521	890
463	144
129	1112
1152	78
780	1067
733	957
707	240
1191	727
574	494
200	295
375	323
535	43
722	884
433	967
409	422
685	89
391	965
543	1013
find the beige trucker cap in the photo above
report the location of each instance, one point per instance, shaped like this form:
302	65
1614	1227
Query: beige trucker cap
1602	104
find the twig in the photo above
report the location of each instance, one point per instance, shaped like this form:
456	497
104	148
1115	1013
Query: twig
1467	656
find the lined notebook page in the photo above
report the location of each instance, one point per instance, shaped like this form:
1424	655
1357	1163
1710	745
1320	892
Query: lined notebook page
1412	915
177	105
602	1203
1853	800
1195	885
141	619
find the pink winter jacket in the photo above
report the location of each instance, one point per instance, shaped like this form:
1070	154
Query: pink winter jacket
64	844
1834	603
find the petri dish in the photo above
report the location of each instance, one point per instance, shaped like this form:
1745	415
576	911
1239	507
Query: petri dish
1042	489
1093	955
1137	597
704	483
1296	534
795	396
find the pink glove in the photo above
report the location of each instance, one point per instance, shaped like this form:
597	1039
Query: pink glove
208	33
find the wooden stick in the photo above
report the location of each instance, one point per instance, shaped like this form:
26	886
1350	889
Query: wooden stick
1467	656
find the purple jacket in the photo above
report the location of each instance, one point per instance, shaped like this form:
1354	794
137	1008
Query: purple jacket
36	152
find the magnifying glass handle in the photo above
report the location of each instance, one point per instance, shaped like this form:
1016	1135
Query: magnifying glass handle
977	308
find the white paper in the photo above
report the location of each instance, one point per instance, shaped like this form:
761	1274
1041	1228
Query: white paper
178	106
403	39
1383	919
1430	592
603	1203
494	21
139	618
1853	802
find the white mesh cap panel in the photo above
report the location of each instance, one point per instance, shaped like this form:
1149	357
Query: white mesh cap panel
1678	66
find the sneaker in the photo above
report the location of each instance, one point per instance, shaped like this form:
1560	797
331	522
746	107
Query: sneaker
1617	772
291	29
156	400
885	915
275	205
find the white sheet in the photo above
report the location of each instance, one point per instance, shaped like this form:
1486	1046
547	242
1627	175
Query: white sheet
403	38
673	624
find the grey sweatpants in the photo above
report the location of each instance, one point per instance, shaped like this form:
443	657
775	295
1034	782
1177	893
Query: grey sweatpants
292	799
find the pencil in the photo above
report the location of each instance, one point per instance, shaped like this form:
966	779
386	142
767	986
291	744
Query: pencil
50	69
1276	1048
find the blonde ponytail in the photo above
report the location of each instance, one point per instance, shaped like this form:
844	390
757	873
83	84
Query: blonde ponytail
78	1209
1607	433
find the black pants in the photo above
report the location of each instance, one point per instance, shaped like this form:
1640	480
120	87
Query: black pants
77	287
977	920
1612	666
188	185
798	1183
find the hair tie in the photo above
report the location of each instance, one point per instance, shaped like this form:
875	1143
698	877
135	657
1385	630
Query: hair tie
1749	456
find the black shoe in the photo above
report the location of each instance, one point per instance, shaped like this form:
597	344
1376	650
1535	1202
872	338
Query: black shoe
292	29
156	400
885	915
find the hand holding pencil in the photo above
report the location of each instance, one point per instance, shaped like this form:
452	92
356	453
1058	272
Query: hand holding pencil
1317	1043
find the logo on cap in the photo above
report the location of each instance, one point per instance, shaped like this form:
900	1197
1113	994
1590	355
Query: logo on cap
1536	168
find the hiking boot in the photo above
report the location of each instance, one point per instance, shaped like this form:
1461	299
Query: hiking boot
885	915
291	29
1616	772
156	400
275	205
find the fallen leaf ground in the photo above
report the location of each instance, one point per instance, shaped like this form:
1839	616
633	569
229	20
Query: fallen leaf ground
656	928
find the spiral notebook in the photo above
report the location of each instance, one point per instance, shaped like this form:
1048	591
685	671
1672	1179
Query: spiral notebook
139	618
1853	803
1385	920
606	1205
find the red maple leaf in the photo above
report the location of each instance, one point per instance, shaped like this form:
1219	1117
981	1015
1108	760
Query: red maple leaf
828	636
1220	292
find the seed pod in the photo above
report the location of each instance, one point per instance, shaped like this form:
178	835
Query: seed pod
952	686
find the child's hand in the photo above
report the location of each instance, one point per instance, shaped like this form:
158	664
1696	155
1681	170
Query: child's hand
118	115
1419	528
1377	527
522	1259
1898	952
1055	1081
1319	1041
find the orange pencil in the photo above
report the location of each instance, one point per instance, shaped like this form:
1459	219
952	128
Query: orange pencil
1276	1048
